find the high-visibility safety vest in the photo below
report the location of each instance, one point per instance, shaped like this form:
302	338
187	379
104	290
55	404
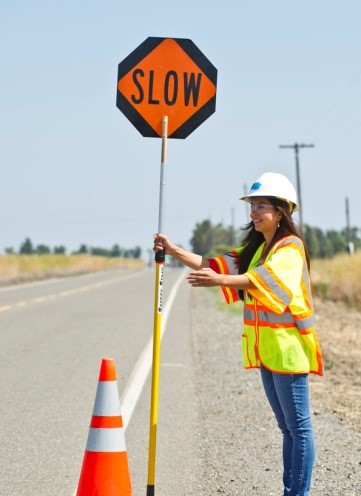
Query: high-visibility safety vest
279	325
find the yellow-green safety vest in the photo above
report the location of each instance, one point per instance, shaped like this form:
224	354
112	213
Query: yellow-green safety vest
279	325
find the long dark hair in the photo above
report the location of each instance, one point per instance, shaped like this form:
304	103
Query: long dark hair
253	239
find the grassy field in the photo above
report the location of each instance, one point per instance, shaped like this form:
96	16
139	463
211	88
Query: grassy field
338	279
16	269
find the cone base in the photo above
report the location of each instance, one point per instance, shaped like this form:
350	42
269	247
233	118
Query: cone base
104	474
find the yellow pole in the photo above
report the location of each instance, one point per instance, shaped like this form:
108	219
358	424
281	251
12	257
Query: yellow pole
158	305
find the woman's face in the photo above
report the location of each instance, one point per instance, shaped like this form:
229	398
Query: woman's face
265	216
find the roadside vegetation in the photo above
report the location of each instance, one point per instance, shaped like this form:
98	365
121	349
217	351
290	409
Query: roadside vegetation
27	247
338	279
210	239
15	268
35	262
334	277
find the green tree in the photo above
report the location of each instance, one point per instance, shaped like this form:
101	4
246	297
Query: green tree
132	252
206	237
115	251
82	250
26	248
42	250
211	240
219	250
337	242
59	250
202	237
137	253
312	241
100	252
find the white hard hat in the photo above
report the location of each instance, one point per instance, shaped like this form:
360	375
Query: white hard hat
275	185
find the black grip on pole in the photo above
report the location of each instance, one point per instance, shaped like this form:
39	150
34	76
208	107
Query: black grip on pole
150	490
159	256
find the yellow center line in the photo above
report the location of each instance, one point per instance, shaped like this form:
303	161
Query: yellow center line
5	308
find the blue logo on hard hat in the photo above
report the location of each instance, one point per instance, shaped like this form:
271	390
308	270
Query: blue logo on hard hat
255	186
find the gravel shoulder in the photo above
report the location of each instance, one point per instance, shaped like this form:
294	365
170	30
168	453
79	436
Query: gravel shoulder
340	390
239	441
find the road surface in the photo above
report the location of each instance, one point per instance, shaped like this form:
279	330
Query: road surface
216	432
53	337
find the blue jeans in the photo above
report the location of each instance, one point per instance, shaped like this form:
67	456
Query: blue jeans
289	398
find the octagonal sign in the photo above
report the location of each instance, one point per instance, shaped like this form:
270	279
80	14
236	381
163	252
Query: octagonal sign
166	77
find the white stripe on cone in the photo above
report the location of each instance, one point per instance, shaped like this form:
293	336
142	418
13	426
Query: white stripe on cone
107	399
105	440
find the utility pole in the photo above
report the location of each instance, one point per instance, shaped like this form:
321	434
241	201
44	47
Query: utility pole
296	148
350	245
245	191
233	227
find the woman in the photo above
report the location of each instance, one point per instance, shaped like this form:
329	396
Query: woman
270	272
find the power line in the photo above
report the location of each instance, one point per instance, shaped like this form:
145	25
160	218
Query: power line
296	148
336	103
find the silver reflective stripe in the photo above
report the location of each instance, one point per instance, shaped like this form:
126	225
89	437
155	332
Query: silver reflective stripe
272	284
230	259
248	314
107	399
273	318
306	323
284	318
291	239
106	440
306	279
310	321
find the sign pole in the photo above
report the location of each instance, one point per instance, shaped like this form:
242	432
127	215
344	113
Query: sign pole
158	304
164	73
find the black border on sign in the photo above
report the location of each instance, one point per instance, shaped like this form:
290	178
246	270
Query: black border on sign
135	117
124	67
198	58
138	55
195	120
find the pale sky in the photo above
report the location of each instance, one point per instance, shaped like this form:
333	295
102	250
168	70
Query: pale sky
75	170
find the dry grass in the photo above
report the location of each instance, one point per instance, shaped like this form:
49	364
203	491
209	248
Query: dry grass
338	329
22	268
338	279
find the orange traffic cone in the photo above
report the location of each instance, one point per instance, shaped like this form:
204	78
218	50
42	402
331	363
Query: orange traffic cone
105	470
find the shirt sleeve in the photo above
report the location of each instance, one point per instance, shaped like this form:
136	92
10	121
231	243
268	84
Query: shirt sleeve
277	281
227	264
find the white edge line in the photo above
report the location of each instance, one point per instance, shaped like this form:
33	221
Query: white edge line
141	370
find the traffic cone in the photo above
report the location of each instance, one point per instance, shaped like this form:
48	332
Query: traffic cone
105	470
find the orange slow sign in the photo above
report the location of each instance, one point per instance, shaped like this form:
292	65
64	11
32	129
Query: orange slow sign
166	77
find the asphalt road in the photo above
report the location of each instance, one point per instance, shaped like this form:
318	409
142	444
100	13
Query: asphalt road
53	337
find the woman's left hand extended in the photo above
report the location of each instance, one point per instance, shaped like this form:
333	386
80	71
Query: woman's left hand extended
204	278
